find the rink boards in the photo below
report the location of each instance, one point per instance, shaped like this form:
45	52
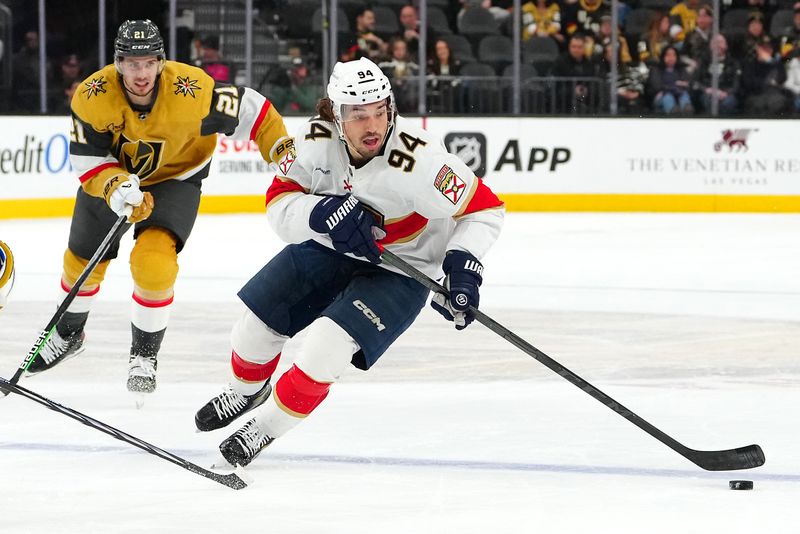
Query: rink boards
535	164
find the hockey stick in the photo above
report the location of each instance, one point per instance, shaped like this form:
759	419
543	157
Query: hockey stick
116	231
727	460
232	480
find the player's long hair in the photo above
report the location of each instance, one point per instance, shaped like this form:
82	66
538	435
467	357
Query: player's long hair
325	109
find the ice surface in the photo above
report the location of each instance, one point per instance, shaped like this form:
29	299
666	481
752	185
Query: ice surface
692	321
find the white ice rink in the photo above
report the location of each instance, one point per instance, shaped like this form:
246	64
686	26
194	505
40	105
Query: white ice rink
692	321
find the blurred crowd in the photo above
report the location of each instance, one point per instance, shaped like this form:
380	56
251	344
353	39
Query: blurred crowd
667	61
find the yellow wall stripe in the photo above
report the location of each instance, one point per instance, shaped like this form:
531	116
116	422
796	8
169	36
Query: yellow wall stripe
62	207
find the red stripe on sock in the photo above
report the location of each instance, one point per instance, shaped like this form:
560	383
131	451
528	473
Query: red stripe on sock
253	372
81	293
299	392
152	303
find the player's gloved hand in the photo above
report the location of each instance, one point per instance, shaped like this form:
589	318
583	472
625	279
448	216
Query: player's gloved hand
349	225
463	278
125	198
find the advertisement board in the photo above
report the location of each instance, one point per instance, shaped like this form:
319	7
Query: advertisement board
532	163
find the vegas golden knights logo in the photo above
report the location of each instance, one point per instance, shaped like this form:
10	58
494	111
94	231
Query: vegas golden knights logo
141	157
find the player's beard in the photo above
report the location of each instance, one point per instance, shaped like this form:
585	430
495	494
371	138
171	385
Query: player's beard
364	152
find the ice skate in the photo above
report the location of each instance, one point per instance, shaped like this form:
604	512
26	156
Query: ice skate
227	406
56	350
142	374
245	444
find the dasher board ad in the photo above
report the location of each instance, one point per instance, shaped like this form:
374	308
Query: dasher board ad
627	156
532	163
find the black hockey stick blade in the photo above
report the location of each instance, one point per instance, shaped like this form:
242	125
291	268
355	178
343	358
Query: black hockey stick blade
116	231
232	480
728	460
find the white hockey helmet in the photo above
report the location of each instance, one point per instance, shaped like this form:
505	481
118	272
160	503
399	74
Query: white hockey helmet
358	82
6	273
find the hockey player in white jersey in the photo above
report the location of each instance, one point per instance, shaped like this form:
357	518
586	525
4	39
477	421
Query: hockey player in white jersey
363	177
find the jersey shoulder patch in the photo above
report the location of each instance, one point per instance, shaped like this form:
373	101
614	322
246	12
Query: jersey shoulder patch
186	82
98	98
450	184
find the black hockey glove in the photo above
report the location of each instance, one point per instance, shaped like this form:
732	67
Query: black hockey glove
348	224
463	278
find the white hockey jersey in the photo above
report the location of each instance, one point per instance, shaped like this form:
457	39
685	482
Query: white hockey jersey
428	199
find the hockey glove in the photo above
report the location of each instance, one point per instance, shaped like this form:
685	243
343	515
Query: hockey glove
125	198
348	224
463	278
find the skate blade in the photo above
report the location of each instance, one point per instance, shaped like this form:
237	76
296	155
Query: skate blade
221	463
138	399
222	466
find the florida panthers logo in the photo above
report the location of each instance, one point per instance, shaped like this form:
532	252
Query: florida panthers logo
141	157
449	184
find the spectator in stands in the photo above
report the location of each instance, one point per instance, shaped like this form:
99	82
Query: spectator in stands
26	74
575	96
669	84
630	82
603	38
541	18
399	68
409	25
292	87
697	43
210	60
583	16
655	40
70	70
763	77
746	45
729	81
365	43
793	79
683	19
443	63
500	15
305	91
790	38
765	7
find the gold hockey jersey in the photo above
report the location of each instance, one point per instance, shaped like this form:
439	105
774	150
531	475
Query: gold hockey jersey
176	138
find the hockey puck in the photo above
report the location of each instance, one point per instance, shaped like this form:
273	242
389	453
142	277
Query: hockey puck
740	484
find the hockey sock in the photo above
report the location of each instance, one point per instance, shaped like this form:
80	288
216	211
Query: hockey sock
146	343
77	313
148	323
295	396
249	376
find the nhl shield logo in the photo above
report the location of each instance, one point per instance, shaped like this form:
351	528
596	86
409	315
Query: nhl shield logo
470	147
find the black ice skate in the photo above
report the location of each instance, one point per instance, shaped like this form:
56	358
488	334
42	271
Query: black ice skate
245	444
56	350
142	374
227	406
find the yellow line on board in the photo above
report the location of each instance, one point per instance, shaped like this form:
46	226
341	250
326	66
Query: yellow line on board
62	207
651	203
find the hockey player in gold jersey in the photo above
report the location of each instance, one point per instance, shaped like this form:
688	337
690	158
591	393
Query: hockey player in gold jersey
143	133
